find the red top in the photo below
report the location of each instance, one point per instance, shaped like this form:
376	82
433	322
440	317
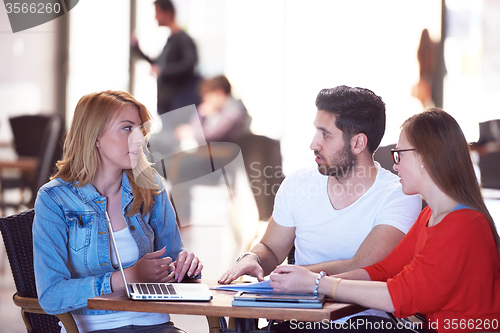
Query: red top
450	272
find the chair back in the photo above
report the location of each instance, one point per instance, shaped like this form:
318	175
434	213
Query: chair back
490	171
489	131
28	132
51	152
17	236
383	156
291	256
263	164
38	136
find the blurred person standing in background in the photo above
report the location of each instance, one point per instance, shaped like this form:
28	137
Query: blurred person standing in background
175	66
427	55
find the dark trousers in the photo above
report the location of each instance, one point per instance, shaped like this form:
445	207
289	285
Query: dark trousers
161	328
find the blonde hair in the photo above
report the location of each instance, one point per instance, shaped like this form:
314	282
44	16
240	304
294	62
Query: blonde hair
81	158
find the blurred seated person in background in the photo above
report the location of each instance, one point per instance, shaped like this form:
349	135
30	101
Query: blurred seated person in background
346	214
220	118
223	118
73	258
447	268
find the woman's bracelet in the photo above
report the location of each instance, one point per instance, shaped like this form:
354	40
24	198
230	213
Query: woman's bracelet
316	283
334	289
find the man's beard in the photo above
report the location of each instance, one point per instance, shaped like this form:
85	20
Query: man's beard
345	161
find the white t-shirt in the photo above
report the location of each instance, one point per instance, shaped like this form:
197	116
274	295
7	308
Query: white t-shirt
129	254
324	233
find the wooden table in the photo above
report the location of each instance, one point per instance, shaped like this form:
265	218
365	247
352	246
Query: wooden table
486	148
220	306
25	164
28	166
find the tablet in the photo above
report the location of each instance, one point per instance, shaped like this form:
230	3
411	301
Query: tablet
279	297
244	298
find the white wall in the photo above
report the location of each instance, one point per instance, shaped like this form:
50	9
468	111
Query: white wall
28	72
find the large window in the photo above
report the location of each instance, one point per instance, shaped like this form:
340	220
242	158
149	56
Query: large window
98	49
279	54
472	53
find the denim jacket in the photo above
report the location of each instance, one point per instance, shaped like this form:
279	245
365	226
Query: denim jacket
71	246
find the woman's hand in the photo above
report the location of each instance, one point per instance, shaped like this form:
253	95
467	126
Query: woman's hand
293	279
152	268
186	263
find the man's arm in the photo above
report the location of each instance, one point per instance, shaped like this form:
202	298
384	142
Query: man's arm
376	246
136	50
272	249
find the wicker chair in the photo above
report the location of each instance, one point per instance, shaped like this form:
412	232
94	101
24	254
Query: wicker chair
18	240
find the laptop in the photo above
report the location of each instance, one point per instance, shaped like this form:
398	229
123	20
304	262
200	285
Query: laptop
160	291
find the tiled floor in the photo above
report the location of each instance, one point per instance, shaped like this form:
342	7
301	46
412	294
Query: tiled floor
10	315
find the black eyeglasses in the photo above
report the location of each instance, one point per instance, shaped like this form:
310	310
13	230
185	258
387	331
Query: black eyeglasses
395	154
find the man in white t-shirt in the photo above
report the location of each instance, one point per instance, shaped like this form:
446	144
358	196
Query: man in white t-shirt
347	214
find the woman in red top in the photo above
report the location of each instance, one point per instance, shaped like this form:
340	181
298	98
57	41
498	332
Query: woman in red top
447	268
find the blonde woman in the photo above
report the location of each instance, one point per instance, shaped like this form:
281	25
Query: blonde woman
447	268
72	254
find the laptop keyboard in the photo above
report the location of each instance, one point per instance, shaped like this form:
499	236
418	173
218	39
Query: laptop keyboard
156	289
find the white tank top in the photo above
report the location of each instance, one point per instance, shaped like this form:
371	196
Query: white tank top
129	253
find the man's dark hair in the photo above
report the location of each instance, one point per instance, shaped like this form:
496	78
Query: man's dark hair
219	82
165	5
357	110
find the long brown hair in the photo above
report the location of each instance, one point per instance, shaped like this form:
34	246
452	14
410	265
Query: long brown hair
81	158
445	153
